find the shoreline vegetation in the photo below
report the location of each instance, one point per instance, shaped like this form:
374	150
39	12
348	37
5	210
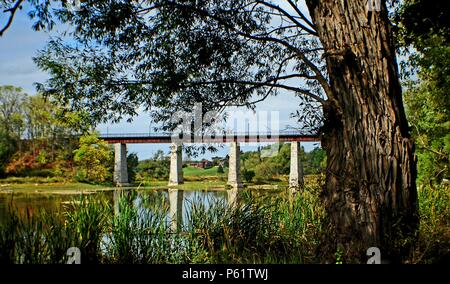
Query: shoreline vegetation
194	180
260	230
264	228
209	236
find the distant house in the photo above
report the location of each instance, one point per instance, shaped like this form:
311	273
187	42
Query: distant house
203	164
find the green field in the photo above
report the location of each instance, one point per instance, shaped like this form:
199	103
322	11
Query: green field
194	179
192	171
54	188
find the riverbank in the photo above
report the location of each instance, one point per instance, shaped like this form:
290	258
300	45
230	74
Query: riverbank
51	188
36	185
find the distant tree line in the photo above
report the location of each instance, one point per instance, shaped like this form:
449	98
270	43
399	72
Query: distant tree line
155	168
253	166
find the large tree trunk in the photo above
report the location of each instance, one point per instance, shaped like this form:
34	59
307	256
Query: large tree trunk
370	189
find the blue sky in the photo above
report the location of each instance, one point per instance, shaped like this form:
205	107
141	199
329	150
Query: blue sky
20	43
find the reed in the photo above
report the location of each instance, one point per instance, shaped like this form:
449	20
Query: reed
259	229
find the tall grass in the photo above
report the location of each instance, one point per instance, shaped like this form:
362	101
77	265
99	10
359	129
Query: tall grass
87	222
36	237
433	243
258	229
139	234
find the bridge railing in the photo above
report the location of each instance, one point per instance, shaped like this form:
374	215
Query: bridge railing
169	134
109	135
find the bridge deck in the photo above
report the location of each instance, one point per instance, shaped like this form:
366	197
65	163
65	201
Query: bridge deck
236	137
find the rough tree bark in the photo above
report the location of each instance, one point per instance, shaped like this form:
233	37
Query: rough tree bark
370	190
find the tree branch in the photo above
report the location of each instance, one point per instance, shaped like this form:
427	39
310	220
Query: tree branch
289	16
320	77
258	84
302	16
12	12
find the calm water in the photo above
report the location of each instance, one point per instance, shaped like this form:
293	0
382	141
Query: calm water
177	201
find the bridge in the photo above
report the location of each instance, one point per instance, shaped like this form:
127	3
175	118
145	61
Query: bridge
246	137
120	140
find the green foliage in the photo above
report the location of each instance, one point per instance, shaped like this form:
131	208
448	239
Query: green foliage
93	159
155	168
272	167
12	100
132	166
215	62
417	20
220	169
271	229
267	168
314	162
248	175
428	106
339	255
140	236
433	245
41	158
425	27
44	237
34	237
281	162
7	149
87	221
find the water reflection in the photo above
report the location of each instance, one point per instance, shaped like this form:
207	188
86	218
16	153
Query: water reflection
176	198
177	202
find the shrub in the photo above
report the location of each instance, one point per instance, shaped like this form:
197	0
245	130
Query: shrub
248	175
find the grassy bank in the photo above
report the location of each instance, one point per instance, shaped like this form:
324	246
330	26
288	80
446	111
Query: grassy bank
44	185
194	179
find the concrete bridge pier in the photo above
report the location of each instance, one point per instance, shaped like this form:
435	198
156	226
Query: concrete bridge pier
176	209
120	164
176	165
296	171
234	168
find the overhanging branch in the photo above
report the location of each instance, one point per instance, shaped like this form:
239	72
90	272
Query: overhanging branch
12	12
289	16
300	54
